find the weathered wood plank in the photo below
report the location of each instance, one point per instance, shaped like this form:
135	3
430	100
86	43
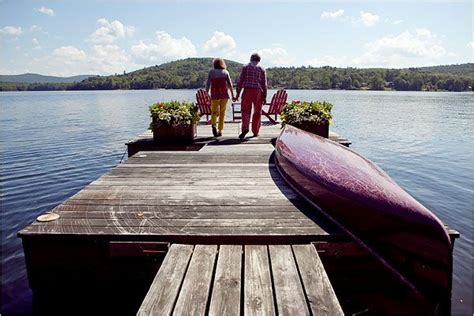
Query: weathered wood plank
170	276
198	172
193	297
191	222
176	230
219	209
180	215
226	294
199	182
290	297
320	294
258	292
159	191
168	154
198	159
216	195
158	164
295	231
230	201
237	149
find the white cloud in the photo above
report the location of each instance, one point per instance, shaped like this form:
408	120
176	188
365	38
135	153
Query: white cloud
470	44
35	28
109	32
368	19
405	49
69	54
11	30
397	22
109	59
36	44
219	43
276	56
70	60
164	48
332	15
46	11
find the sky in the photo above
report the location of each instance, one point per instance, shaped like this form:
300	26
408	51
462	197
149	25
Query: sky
66	37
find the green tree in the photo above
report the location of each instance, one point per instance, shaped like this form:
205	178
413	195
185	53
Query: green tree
376	83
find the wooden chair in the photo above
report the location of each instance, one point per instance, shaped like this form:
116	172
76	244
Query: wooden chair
276	105
236	112
203	101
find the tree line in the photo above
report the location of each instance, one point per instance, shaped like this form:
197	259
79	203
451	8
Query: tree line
191	73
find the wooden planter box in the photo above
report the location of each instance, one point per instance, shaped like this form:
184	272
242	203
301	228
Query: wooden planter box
318	129
175	134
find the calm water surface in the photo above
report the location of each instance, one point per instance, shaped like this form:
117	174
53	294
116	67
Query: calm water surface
55	143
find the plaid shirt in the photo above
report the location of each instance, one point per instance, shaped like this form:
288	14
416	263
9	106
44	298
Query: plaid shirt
252	76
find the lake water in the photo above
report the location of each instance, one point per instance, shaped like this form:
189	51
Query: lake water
55	143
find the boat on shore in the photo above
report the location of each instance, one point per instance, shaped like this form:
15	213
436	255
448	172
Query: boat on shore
372	208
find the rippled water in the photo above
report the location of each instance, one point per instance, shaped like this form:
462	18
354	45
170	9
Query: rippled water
55	143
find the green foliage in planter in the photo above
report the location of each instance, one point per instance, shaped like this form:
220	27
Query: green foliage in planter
173	113
301	113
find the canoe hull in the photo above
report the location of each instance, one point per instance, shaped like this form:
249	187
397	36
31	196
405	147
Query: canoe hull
366	202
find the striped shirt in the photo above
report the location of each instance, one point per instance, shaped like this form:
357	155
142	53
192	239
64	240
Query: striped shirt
253	76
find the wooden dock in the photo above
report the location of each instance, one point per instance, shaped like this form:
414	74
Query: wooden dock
217	191
228	191
103	252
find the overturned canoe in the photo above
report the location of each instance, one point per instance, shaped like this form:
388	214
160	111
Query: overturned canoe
367	203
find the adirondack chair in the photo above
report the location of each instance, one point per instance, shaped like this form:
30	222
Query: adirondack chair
276	105
203	101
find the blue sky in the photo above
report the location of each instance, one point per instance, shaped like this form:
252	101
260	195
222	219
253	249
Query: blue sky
61	37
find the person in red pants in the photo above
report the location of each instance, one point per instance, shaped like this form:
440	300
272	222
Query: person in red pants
253	79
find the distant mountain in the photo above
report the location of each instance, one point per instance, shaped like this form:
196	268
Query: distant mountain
35	78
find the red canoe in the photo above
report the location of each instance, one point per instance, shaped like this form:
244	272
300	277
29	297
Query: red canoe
366	202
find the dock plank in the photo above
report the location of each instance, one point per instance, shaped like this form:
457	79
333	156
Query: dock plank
227	282
199	182
203	201
321	297
290	297
239	233
193	297
170	277
188	222
258	292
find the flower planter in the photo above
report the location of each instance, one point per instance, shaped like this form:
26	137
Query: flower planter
175	134
313	117
318	129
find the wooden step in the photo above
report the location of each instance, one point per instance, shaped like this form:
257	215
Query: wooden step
241	279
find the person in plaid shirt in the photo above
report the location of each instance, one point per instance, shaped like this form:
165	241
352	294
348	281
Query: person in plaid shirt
253	79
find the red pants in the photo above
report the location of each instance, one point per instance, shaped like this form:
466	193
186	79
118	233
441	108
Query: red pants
251	96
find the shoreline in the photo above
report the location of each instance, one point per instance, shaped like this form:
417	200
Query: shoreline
276	88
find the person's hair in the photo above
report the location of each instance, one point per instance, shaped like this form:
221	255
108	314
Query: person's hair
255	57
219	63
